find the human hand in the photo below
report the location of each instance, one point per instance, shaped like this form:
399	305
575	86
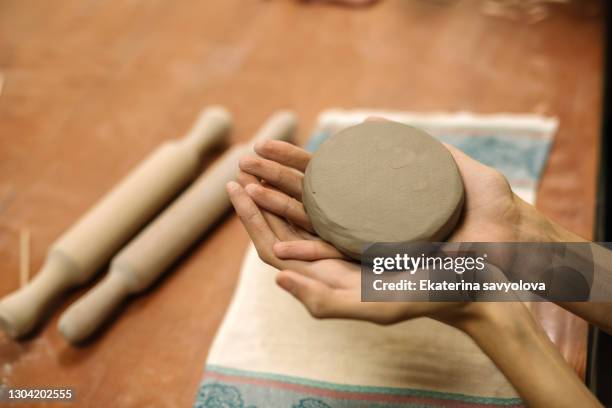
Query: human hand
314	271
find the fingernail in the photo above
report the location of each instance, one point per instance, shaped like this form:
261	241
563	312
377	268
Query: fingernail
246	162
259	145
286	283
279	249
232	186
251	189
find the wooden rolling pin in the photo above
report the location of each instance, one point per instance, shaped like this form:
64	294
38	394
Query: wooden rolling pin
157	246
76	256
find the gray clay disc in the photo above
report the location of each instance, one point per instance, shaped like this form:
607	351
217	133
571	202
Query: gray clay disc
382	181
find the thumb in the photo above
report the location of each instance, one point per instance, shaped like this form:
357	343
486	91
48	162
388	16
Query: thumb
314	295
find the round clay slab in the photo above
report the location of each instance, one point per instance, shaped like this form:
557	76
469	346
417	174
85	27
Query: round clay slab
382	181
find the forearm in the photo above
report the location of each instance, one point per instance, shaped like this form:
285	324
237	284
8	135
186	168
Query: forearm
523	352
599	309
534	227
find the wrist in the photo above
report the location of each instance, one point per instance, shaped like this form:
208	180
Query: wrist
535	227
511	321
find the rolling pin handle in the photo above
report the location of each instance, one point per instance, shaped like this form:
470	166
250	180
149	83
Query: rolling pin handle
210	129
21	310
88	313
280	126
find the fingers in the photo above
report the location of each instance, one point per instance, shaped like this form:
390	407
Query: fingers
284	153
306	250
280	204
245	179
464	161
281	228
284	230
254	222
284	178
262	235
320	300
325	302
477	175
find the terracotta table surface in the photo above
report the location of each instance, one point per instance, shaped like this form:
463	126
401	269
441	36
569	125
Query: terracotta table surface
91	87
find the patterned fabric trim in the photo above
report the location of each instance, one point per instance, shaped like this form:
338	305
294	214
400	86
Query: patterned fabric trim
232	388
